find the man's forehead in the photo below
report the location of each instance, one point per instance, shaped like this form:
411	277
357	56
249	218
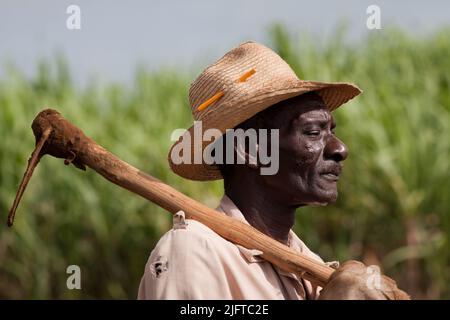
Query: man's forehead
309	106
286	111
319	114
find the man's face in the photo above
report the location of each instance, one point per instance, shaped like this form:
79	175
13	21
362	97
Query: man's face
310	155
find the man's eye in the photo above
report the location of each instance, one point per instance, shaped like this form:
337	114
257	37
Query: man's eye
312	132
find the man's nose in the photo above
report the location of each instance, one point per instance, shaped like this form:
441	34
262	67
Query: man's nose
335	149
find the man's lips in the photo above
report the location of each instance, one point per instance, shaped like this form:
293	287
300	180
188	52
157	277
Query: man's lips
332	174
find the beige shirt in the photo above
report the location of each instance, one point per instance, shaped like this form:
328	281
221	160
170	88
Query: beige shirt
193	262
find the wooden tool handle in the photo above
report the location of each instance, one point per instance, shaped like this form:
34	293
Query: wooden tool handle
68	142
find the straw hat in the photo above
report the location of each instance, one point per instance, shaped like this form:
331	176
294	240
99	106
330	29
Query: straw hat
245	81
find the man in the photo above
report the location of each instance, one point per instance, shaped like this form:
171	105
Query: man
251	87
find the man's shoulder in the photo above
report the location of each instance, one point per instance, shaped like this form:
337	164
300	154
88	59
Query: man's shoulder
193	228
187	263
191	235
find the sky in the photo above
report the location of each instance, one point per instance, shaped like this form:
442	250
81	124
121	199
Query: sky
117	36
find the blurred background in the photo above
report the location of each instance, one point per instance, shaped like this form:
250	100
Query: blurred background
123	79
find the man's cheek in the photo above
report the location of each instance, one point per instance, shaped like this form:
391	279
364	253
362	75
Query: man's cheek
309	154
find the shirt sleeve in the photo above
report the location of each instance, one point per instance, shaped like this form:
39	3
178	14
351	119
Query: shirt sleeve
184	265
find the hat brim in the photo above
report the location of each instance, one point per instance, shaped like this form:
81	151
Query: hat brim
333	94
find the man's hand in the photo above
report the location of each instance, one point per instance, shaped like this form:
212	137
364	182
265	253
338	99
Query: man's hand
354	281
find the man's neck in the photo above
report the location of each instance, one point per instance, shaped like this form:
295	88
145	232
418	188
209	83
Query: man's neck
262	211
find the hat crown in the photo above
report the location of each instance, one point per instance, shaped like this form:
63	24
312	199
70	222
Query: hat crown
267	69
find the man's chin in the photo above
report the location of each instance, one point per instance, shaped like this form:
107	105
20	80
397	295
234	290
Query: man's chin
321	200
325	198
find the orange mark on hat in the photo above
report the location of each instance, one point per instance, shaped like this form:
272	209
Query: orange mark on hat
220	94
210	101
247	75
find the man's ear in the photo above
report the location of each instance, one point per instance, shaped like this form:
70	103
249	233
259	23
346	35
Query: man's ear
247	157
